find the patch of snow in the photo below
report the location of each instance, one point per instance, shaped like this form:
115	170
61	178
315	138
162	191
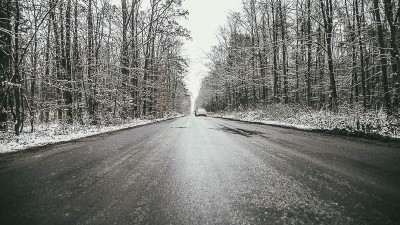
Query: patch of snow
295	116
45	134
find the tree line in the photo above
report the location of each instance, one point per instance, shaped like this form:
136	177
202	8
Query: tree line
325	54
89	61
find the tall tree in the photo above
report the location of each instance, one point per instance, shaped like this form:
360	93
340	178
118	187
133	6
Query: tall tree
392	16
361	50
382	52
327	14
16	77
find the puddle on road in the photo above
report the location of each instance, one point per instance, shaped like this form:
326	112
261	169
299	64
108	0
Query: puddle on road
243	132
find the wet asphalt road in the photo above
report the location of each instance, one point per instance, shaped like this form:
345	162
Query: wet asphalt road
204	171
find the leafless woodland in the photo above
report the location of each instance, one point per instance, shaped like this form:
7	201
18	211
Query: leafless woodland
323	55
89	61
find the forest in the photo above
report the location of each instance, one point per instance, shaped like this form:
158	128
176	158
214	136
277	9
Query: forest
90	62
328	55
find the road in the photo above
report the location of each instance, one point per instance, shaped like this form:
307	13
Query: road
204	171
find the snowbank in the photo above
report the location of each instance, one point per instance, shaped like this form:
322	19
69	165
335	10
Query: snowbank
346	120
45	134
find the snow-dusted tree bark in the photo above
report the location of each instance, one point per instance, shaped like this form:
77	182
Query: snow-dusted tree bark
392	17
382	50
320	54
5	60
93	61
17	104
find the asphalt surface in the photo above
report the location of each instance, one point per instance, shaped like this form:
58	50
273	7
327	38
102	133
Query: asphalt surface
204	171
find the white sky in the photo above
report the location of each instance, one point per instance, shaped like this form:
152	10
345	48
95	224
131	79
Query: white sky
205	18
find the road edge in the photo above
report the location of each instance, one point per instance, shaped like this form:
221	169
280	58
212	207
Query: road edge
362	135
38	147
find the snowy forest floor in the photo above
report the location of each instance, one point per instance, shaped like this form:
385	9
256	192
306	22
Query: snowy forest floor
372	124
45	134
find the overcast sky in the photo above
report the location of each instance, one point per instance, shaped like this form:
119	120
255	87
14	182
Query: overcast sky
205	17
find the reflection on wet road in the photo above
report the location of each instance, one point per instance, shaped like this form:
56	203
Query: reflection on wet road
201	170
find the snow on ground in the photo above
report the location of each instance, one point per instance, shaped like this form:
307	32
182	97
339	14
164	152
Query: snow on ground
54	133
350	121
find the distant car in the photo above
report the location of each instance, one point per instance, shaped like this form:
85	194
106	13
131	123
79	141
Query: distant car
200	112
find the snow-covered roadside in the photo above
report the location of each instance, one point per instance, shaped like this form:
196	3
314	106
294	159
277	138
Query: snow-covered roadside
370	123
54	133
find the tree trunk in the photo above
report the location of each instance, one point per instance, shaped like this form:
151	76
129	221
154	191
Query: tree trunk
393	21
362	63
147	61
309	46
382	53
17	76
275	53
284	50
134	57
68	67
90	43
5	59
327	12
